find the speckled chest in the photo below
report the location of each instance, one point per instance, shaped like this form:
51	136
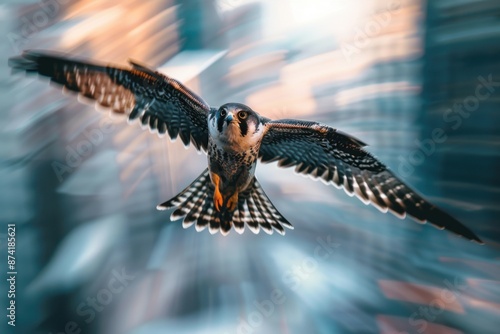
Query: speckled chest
230	163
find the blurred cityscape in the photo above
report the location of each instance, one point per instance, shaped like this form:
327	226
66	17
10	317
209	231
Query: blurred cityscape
417	80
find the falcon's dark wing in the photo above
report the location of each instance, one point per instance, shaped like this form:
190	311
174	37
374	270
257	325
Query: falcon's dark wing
325	153
160	102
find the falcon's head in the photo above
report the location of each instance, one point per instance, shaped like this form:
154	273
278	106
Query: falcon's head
236	126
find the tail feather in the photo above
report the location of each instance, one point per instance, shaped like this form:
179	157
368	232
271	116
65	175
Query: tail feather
195	206
239	219
264	219
270	214
194	214
254	220
277	220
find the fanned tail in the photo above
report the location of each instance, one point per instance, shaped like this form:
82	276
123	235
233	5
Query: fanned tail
196	207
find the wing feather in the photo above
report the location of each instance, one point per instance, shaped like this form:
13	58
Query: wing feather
323	152
161	103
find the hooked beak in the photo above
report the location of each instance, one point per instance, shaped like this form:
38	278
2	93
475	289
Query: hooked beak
229	118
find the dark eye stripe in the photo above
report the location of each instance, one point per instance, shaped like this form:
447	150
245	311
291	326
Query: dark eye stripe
220	123
243	128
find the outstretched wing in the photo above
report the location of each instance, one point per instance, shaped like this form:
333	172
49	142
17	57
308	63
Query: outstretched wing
160	102
337	158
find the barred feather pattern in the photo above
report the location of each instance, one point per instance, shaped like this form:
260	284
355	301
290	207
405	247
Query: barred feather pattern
324	153
159	102
195	206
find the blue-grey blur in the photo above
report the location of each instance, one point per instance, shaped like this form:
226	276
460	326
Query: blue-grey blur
417	80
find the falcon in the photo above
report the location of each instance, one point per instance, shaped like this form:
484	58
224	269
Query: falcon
234	137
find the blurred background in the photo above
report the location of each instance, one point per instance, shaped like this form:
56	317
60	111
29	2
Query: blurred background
419	81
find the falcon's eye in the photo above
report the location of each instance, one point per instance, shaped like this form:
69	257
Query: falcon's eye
242	114
223	112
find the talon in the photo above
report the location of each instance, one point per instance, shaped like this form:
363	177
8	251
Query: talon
218	200
232	202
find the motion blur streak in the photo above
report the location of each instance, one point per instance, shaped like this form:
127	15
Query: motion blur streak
417	80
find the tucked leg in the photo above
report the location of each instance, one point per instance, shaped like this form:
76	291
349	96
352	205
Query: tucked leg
232	202
218	200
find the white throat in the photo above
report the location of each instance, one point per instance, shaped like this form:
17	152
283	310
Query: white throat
230	139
